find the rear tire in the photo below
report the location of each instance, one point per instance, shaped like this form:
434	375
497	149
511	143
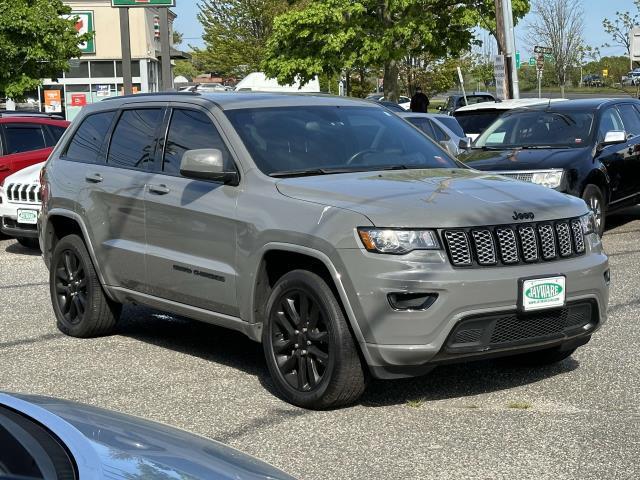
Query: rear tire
542	357
309	349
31	243
81	307
594	199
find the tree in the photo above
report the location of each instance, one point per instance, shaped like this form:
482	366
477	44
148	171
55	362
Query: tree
177	37
483	14
329	36
36	42
235	33
185	68
619	29
558	24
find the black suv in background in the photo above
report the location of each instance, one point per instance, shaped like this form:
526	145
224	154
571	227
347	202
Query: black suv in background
587	148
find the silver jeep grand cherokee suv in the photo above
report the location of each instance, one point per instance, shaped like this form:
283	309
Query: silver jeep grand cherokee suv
328	229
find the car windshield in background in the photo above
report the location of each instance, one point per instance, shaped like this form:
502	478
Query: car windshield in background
538	129
476	122
312	140
452	124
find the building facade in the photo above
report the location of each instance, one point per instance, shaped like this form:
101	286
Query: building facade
98	73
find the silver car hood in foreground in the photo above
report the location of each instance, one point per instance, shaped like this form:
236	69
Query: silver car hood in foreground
433	198
112	445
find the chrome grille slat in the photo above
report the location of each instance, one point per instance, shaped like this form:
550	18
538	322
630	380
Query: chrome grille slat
485	247
458	244
508	245
23	193
578	236
515	244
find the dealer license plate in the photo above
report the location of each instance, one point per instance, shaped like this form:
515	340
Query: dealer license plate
29	217
541	293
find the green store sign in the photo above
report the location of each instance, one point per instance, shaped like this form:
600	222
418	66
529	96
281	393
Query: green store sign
84	24
143	3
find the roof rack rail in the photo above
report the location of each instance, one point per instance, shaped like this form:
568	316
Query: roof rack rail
152	94
23	113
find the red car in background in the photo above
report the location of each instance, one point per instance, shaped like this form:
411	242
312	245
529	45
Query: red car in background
27	139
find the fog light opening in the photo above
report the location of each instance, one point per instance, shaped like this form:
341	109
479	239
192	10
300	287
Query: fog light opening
607	277
411	301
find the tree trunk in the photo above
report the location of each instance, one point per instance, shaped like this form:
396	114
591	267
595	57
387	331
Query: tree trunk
391	71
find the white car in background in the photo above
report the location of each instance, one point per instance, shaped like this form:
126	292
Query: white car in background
474	119
20	205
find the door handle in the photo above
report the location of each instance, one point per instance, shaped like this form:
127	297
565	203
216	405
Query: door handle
161	189
94	178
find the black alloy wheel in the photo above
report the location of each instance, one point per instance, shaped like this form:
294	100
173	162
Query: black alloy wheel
79	302
300	339
308	346
71	287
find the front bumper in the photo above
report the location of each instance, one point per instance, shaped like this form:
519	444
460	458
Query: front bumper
9	226
406	343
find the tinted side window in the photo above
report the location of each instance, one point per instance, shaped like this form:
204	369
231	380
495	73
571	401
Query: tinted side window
88	139
133	140
24	138
424	125
610	120
630	118
440	134
189	130
56	132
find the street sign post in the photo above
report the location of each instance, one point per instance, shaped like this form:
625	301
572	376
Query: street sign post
532	61
543	50
517	59
500	75
539	71
143	3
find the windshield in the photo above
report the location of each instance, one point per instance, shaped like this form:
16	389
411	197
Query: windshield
539	129
319	139
476	122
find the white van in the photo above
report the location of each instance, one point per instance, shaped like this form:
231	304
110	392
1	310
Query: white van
258	82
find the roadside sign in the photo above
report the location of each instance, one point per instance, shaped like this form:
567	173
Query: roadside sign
517	59
544	50
605	72
532	61
540	61
52	101
84	24
103	90
143	3
500	75
78	99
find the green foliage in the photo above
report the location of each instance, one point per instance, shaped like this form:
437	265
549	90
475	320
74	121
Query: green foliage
433	75
326	37
483	13
619	29
35	43
235	33
177	37
186	69
617	66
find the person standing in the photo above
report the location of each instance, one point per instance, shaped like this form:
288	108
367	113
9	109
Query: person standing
419	101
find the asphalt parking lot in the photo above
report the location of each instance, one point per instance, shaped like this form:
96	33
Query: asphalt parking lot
579	419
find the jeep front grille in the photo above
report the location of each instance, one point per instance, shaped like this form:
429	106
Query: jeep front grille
23	193
514	244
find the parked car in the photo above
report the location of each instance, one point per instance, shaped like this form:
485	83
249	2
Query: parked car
632	78
20	205
474	119
27	138
403	102
454	102
441	128
327	228
49	438
587	148
592	80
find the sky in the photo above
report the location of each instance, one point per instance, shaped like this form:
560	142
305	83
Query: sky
595	10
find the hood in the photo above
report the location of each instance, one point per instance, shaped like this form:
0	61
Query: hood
433	198
30	174
131	447
515	159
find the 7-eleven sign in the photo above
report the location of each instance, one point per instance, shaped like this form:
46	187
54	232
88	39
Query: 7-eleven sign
84	24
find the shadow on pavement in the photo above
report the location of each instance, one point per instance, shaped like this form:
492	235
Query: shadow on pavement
219	345
18	249
621	218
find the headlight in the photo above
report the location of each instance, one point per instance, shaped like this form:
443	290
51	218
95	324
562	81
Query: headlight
398	241
588	222
550	179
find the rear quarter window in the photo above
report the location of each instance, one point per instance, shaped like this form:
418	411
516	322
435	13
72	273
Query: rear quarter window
23	138
87	141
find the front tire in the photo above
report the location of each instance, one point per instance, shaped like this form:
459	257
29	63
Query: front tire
594	199
81	307
309	349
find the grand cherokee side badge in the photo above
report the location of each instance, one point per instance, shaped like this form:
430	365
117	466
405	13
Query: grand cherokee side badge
523	216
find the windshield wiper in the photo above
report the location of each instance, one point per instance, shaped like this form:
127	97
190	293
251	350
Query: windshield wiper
313	171
490	148
541	147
